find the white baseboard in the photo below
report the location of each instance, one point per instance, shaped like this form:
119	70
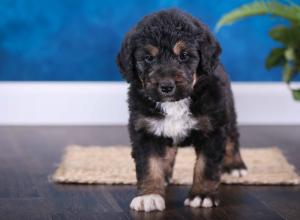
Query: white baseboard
104	103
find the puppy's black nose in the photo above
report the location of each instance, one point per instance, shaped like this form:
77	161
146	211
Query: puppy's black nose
167	87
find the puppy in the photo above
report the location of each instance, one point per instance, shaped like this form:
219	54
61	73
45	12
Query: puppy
179	95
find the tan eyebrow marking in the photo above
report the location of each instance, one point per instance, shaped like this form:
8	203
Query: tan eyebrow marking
152	50
178	47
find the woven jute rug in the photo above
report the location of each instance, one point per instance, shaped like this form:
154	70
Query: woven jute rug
114	165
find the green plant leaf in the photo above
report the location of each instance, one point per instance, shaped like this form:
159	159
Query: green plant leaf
296	94
288	72
289	54
289	36
290	12
297	57
279	33
275	58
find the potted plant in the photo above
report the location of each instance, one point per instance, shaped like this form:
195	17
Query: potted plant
288	54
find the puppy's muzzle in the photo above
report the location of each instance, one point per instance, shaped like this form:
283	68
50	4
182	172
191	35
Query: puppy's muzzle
167	87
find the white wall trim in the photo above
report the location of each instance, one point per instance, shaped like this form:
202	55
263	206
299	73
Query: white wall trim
94	103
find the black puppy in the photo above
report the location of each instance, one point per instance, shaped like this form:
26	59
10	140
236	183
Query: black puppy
179	95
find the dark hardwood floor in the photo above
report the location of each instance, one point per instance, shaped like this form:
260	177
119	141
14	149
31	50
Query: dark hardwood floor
28	155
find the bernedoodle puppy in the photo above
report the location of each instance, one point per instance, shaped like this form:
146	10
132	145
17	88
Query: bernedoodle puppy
179	95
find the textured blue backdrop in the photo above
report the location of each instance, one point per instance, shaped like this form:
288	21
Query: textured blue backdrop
79	39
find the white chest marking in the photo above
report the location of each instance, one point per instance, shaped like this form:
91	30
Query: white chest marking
177	123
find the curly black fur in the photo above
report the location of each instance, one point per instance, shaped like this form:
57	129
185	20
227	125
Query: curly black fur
197	75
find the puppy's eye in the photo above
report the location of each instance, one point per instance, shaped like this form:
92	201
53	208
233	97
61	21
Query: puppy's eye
148	59
183	57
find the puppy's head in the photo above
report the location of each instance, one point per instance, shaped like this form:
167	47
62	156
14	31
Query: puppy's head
166	53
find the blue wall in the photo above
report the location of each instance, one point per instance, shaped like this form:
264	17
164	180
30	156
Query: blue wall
79	39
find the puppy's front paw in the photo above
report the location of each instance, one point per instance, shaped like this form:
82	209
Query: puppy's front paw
147	203
235	169
201	201
238	172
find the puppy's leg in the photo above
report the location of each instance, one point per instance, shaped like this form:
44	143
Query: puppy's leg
233	162
151	186
169	161
150	179
206	180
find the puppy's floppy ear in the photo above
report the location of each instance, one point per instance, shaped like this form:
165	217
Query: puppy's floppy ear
209	49
125	58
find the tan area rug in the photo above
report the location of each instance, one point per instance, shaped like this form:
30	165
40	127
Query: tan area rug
114	165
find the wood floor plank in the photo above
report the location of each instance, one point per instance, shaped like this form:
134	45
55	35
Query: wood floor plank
236	203
283	200
29	154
